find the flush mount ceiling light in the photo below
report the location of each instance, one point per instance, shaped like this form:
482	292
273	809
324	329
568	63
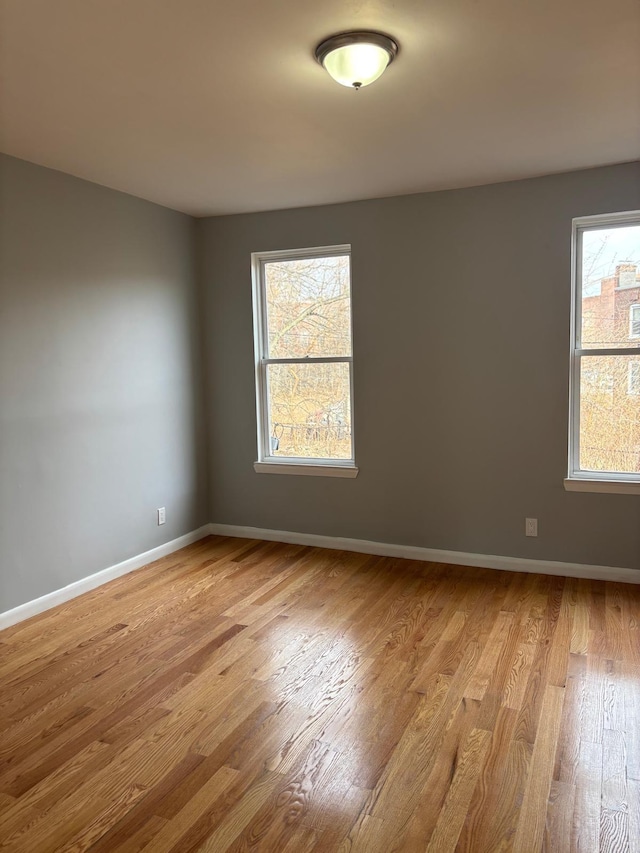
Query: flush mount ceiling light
356	59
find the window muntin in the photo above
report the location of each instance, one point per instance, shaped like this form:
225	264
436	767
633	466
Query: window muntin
605	412
304	364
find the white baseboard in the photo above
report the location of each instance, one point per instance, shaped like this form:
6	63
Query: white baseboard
362	546
414	552
59	596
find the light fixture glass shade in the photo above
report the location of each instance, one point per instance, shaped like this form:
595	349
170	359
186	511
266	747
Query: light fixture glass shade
356	65
356	59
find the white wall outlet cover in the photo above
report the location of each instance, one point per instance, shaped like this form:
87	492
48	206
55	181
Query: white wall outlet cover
162	515
531	526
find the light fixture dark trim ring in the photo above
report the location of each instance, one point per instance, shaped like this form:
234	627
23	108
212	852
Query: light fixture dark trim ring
358	37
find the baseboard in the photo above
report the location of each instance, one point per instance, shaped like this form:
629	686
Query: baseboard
414	552
59	596
362	546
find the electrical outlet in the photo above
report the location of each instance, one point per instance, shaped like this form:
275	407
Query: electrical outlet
162	515
531	526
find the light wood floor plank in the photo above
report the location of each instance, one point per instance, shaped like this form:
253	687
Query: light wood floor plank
242	695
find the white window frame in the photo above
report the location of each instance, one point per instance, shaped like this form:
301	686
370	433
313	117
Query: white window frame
266	463
633	309
579	480
631	380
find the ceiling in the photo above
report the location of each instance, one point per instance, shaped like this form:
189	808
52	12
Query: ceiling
216	107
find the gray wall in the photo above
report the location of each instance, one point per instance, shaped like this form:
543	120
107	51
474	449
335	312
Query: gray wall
101	415
461	321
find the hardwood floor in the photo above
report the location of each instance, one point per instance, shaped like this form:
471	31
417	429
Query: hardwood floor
242	695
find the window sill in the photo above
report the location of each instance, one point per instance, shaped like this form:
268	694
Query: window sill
611	487
349	471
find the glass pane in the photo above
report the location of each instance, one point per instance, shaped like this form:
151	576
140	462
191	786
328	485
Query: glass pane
610	413
308	307
610	287
310	410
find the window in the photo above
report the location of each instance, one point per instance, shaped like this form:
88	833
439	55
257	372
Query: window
604	440
304	363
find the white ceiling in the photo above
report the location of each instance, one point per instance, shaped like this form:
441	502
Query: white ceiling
218	107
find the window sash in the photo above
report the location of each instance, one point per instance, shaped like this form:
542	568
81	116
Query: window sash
577	352
575	471
262	359
633	379
264	426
